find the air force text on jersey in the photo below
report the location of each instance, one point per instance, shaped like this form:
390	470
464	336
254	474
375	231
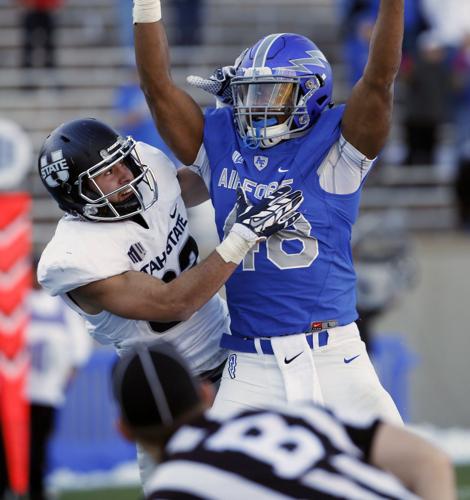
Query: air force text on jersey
230	179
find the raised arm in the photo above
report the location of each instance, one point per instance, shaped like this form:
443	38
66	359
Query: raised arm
179	119
368	114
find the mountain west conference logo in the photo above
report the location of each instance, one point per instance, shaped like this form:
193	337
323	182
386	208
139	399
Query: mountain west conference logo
55	171
137	252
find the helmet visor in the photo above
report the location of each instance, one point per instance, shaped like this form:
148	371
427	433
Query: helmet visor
265	106
275	96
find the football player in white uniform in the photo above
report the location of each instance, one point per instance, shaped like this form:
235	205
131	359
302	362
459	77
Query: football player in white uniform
119	252
98	177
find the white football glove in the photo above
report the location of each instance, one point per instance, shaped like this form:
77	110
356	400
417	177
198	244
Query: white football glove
257	222
272	214
218	84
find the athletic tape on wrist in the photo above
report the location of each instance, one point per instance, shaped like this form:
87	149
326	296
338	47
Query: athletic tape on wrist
146	11
234	247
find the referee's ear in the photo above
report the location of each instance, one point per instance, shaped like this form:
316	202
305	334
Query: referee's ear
207	393
125	431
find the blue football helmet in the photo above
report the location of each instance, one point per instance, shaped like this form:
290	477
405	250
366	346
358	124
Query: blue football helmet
280	88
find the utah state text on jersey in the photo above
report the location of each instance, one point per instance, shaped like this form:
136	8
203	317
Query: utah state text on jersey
158	262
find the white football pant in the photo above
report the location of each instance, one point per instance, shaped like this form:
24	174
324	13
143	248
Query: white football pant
339	375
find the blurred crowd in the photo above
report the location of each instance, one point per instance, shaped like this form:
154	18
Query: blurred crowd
435	72
434	84
434	87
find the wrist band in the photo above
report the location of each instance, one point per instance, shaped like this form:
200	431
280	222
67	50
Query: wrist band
234	248
146	11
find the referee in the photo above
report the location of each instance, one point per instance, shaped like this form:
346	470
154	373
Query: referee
299	452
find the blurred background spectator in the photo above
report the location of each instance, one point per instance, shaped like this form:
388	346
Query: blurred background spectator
126	28
188	16
450	20
461	91
462	190
185	16
38	23
59	345
357	19
461	87
426	78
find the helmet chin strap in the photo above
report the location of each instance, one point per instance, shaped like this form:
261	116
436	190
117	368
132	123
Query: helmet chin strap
274	133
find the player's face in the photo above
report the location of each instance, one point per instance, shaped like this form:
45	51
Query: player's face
270	98
113	178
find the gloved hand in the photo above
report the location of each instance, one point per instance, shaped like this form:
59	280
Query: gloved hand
257	222
218	84
272	214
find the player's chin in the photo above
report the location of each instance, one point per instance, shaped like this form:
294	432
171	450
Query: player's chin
123	197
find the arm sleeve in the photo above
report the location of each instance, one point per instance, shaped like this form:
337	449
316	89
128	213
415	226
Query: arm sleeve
344	168
201	166
363	436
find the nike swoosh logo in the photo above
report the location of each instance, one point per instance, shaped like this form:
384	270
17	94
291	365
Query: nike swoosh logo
346	360
287	361
173	214
282	170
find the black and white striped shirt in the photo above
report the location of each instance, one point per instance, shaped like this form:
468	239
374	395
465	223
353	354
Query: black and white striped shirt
303	452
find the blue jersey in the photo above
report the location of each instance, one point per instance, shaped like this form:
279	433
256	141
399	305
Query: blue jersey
299	279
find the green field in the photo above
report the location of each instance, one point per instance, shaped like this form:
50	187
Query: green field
463	479
102	494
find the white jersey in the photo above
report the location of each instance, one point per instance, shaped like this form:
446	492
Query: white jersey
57	342
83	252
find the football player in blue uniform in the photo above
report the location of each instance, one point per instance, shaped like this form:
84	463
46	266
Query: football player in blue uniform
292	300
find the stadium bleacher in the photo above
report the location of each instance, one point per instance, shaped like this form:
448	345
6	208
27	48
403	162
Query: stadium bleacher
91	62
